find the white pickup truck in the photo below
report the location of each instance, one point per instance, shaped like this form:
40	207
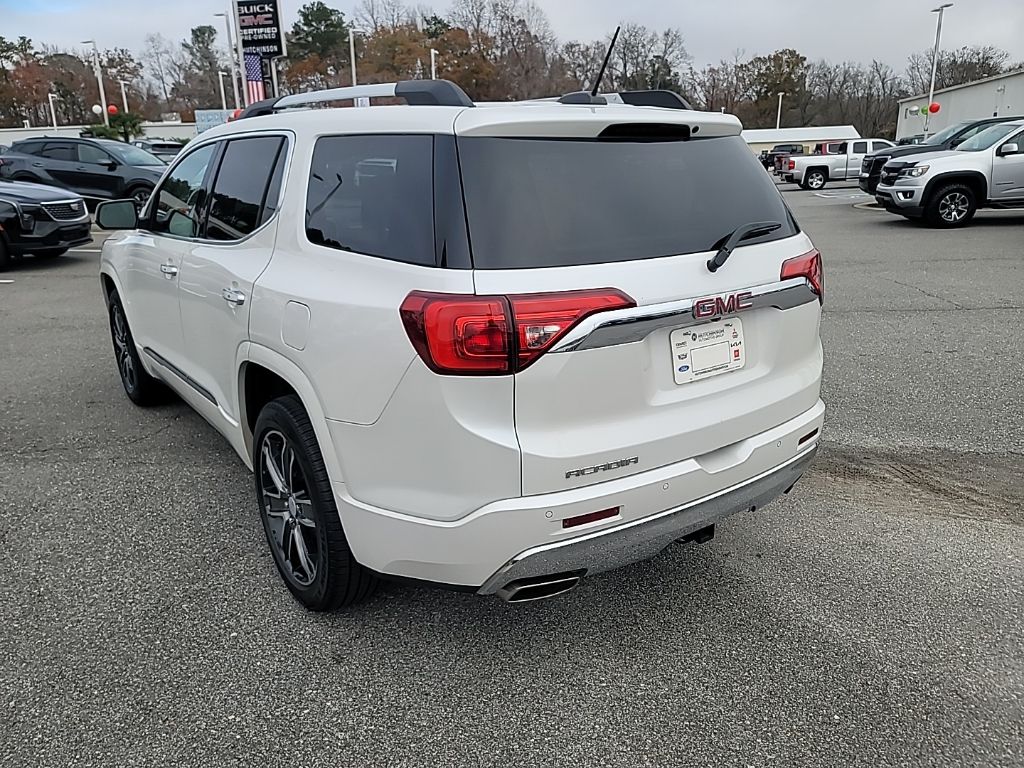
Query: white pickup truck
831	161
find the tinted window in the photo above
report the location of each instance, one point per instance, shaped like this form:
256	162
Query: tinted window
273	199
87	153
180	197
877	145
860	147
60	151
373	195
236	202
546	203
28	147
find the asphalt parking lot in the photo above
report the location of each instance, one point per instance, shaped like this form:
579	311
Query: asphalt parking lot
874	617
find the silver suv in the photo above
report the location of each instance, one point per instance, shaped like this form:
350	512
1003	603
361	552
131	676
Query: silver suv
947	188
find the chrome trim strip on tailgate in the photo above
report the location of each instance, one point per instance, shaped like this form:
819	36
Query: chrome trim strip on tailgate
625	326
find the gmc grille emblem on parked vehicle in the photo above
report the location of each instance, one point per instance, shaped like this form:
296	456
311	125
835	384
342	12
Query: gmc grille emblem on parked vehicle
722	305
582	471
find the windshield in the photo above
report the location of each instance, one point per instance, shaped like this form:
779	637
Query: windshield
988	137
946	133
130	155
562	202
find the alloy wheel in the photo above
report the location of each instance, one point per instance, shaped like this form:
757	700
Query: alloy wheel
288	508
122	348
815	181
953	207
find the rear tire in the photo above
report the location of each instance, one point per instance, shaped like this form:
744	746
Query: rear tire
814	180
299	514
950	207
141	388
5	256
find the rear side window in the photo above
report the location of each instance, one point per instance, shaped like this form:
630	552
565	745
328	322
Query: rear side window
28	147
860	147
241	187
554	203
373	195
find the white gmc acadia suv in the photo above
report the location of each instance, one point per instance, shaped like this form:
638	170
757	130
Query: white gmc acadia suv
492	348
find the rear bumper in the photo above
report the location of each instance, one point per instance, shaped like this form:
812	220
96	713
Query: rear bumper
641	539
523	537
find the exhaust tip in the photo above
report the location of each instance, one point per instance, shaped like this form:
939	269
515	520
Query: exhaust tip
539	587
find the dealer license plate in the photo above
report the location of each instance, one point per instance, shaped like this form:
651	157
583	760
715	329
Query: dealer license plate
702	351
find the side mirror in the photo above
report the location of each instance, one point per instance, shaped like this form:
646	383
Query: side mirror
117	214
109	164
1008	149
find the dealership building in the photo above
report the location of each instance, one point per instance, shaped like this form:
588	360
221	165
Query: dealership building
991	97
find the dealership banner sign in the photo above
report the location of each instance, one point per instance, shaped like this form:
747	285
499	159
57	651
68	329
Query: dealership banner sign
259	24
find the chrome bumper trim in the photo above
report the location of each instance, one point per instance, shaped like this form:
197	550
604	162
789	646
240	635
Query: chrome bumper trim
624	326
640	539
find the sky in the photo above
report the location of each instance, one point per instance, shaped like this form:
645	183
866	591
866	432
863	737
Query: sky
858	30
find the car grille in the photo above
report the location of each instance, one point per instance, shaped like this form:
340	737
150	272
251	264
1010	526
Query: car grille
65	211
889	177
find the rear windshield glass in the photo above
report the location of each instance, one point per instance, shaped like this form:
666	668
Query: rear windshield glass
549	202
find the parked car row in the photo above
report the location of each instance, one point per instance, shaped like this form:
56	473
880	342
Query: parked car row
946	187
831	161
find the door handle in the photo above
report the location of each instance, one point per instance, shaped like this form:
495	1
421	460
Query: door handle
233	296
37	165
169	269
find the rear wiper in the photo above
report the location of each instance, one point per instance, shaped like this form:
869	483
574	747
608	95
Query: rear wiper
747	231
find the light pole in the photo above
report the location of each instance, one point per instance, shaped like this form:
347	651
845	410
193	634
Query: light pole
231	59
778	115
433	64
223	100
352	51
941	10
53	112
99	79
124	95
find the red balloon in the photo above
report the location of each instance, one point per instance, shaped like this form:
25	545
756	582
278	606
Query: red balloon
112	109
934	107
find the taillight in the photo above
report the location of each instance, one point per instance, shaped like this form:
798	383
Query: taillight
808	266
481	335
792	165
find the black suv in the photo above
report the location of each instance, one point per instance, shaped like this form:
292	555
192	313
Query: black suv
97	169
42	221
948	138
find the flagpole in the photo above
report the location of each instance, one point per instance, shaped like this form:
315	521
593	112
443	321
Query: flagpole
241	51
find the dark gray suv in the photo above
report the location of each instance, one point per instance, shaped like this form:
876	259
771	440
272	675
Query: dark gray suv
96	169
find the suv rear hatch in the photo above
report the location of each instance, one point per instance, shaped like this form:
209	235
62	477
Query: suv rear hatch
630	204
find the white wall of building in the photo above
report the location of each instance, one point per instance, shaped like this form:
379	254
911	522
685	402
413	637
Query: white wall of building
994	96
153	131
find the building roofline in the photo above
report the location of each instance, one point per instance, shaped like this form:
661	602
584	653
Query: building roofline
964	85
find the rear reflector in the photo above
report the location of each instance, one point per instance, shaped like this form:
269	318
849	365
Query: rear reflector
590	517
492	335
806	437
807	266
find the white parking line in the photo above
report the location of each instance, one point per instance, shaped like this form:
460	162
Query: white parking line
87	250
6	282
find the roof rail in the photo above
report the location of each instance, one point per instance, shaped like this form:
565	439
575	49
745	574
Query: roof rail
440	93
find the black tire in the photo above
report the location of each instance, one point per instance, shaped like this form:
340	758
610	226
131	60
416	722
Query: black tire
951	206
5	256
140	194
814	179
141	388
304	532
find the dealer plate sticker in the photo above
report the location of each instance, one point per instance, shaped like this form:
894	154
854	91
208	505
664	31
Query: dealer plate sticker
702	351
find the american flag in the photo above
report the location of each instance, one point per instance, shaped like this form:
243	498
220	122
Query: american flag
254	78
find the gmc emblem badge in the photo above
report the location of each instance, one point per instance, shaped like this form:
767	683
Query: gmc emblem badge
722	305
